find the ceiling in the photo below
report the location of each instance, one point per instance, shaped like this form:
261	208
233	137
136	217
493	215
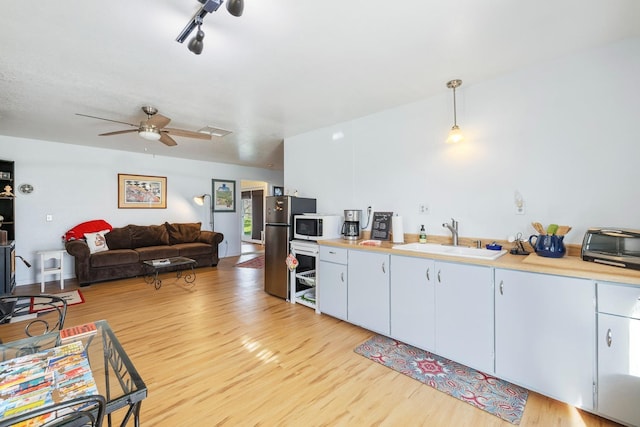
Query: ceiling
283	68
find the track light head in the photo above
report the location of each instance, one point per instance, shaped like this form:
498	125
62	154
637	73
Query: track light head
235	7
196	44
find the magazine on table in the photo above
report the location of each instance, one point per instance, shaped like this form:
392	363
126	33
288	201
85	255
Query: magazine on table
45	378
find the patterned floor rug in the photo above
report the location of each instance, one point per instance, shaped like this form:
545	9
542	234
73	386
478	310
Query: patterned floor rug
493	395
32	308
257	262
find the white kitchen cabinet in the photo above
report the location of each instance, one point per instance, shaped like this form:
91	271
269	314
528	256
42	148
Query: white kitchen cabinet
544	329
332	282
413	301
464	314
368	290
619	352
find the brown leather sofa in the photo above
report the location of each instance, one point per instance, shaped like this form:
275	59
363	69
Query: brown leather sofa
130	245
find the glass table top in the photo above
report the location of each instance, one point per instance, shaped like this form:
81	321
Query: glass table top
116	377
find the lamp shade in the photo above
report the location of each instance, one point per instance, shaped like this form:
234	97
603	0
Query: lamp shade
455	135
199	200
235	7
149	134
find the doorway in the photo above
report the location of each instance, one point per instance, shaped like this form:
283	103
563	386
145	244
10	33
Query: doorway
252	199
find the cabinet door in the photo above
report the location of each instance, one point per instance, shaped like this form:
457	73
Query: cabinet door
544	334
412	301
368	290
332	289
619	368
464	314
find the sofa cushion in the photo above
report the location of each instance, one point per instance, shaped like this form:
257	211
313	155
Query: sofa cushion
114	257
193	249
119	238
155	252
96	241
183	232
148	235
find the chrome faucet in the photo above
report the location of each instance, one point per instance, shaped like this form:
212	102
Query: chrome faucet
453	228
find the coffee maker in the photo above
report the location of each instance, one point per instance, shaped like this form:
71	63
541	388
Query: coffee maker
351	226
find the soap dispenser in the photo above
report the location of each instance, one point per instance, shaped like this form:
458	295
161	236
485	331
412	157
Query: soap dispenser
423	235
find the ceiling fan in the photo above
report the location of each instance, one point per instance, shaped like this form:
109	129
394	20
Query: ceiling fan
153	128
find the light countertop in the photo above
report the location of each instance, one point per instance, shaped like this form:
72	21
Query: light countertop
569	265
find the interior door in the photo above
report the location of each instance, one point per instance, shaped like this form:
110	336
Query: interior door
257	214
252	215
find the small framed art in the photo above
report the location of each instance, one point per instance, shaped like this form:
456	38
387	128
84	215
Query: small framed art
224	195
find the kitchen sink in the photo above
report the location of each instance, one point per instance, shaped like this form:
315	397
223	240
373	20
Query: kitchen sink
460	251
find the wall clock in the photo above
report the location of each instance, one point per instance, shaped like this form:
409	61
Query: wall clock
26	188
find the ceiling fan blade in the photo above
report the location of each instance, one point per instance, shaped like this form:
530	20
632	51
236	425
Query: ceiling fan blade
159	121
167	140
108	120
118	132
187	133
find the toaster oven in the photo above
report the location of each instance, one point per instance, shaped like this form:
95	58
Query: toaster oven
619	247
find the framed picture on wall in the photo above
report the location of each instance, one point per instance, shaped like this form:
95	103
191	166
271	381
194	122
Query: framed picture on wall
142	192
224	195
278	191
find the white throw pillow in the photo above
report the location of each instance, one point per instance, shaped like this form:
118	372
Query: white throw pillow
96	241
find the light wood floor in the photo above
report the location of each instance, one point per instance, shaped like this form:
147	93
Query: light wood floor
226	353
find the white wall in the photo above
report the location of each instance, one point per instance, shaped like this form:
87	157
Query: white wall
564	134
77	184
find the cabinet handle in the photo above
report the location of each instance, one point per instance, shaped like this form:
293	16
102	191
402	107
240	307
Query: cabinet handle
383	268
342	277
332	252
428	278
501	287
609	339
439	281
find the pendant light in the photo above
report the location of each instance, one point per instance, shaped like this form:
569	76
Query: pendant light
455	135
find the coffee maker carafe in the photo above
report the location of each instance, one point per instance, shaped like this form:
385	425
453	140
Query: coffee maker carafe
351	226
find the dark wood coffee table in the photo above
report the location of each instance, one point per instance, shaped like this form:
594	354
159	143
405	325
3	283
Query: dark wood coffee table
185	269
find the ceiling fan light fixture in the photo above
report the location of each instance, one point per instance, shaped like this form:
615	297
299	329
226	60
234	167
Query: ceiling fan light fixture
149	133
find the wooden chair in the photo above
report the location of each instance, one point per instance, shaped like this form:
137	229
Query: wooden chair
50	311
78	412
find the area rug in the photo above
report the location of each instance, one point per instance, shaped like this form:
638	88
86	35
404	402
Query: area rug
257	262
493	395
26	308
72	297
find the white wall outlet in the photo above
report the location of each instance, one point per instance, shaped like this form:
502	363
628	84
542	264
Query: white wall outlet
49	217
423	209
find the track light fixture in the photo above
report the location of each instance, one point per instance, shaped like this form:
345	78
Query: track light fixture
235	7
455	135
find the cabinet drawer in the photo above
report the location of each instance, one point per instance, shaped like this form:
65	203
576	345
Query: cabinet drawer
331	254
621	300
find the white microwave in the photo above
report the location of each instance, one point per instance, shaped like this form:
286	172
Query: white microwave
316	226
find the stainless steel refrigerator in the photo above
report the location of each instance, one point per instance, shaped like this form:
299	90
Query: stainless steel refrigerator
278	233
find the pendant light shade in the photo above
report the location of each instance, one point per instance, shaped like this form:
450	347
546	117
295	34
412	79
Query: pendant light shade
235	7
455	135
